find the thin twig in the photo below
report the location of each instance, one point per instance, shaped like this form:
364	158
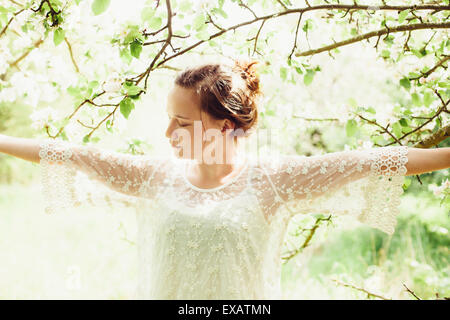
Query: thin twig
361	289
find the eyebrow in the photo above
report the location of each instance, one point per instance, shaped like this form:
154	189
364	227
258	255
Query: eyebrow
178	116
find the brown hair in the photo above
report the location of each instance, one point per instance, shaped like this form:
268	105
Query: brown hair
226	92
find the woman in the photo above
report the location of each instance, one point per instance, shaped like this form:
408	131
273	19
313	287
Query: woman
212	219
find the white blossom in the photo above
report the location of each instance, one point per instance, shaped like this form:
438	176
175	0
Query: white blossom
43	117
113	84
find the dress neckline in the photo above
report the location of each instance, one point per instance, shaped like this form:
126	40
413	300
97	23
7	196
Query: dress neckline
190	185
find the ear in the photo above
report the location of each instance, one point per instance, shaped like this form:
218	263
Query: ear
226	125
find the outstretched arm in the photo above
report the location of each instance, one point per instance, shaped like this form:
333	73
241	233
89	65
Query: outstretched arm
364	183
125	173
24	148
297	176
128	178
427	160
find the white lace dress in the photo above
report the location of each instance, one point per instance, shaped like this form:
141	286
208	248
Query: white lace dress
225	242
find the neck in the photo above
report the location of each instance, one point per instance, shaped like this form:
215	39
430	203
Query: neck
214	169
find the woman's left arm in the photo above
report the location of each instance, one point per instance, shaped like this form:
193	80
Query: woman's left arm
427	160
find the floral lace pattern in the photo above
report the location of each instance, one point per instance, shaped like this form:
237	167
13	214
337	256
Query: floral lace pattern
72	174
364	183
224	242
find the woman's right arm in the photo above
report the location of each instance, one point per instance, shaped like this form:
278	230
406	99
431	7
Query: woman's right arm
121	172
129	175
24	148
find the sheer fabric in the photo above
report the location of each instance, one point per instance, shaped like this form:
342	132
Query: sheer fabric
224	242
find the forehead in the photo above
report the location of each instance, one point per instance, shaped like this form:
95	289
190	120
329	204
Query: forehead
184	102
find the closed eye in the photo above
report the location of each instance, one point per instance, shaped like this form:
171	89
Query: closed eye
180	124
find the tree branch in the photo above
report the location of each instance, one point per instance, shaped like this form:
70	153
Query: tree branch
9	22
71	55
426	74
377	33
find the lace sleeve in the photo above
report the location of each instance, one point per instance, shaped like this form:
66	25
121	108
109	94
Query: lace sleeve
364	183
73	174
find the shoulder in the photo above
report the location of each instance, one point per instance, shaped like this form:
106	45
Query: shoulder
274	162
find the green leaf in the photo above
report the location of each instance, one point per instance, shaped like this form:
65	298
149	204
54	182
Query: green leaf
413	75
125	55
351	127
100	6
308	25
185	6
199	22
385	53
93	84
202	35
407	112
133	34
405	83
417	53
283	73
308	77
416	99
220	11
75	92
131	89
407	183
403	122
64	135
397	129
299	70
402	15
371	110
3	19
56	3
389	40
147	13
155	22
423	52
427	99
126	105
108	126
86	138
58	36
135	49
352	102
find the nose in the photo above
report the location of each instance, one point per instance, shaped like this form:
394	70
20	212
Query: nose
170	134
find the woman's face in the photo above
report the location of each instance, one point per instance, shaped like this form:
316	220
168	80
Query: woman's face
190	130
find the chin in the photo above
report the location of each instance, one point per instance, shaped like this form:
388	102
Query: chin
180	154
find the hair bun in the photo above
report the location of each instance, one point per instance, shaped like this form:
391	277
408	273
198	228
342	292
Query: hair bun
248	71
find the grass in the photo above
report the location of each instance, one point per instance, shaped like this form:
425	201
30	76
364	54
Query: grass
416	255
